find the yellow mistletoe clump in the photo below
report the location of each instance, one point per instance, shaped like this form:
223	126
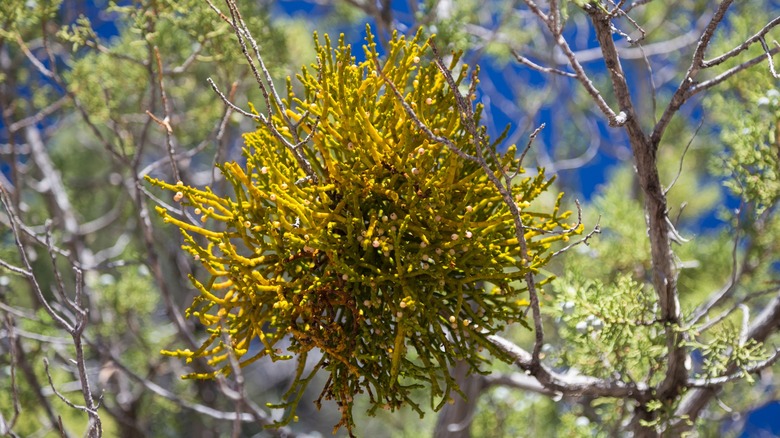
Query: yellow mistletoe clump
389	259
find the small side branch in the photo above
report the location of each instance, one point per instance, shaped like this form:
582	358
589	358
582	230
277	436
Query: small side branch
681	95
528	63
259	117
165	123
467	116
59	394
757	37
569	384
682	158
705	85
585	240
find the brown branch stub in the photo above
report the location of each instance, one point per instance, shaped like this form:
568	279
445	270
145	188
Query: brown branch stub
769	58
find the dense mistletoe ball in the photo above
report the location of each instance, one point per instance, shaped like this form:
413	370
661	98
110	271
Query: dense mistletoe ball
393	261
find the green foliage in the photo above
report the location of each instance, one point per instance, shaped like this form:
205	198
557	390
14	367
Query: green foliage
22	16
380	263
79	34
724	349
605	333
192	45
125	298
622	240
752	157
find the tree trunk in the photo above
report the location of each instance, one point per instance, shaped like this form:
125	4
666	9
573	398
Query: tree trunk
455	419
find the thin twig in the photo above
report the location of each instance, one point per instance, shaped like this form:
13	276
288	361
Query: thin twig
420	125
653	87
596	230
154	265
682	158
39	116
527	148
221	131
62	397
58	282
270	96
13	219
726	313
186	404
736	273
33	60
166	121
527	62
264	81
